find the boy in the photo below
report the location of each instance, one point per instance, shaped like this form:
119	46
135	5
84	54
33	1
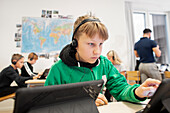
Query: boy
10	74
82	61
27	69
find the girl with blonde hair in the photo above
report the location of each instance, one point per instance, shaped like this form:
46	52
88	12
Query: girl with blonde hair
114	58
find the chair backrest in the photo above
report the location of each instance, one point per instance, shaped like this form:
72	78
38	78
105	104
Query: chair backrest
167	74
133	75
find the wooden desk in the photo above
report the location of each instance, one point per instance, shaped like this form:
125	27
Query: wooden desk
7	106
35	83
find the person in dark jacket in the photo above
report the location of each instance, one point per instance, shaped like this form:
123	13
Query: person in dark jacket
27	69
10	74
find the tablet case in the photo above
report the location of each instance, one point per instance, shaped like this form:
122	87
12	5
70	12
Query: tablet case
65	98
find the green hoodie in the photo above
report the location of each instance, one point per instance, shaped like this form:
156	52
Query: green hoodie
60	73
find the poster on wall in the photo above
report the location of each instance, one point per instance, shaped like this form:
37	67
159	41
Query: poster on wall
17	38
45	35
50	13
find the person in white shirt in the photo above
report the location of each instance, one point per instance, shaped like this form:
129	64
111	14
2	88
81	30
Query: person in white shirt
114	58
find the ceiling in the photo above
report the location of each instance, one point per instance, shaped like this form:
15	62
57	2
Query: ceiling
151	5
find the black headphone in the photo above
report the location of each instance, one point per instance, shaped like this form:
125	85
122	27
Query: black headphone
14	62
113	57
32	56
74	42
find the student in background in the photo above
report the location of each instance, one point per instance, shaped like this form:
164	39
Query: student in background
27	69
10	74
114	58
82	61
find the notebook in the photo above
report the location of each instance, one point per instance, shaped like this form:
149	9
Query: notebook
66	98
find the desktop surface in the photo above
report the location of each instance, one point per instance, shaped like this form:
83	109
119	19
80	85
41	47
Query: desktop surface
7	106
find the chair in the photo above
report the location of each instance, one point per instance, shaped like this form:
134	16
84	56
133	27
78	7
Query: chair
167	74
133	76
7	97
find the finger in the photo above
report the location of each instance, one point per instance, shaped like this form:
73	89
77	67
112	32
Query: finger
97	104
103	98
151	82
149	91
100	102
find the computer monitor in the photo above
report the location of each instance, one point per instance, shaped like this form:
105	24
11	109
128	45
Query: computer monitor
160	101
66	98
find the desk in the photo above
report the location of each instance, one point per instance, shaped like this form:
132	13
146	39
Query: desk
122	107
7	106
35	83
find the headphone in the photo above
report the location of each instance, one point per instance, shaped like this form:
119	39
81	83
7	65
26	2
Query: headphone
32	56
74	42
14	62
113	55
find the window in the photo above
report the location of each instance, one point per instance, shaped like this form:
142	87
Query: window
139	25
160	36
157	23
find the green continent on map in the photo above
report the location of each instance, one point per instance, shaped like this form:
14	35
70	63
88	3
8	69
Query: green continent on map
36	29
64	29
42	40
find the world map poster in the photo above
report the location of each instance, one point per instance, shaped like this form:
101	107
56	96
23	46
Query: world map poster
45	35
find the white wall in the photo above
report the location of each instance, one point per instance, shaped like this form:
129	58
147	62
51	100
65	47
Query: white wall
110	12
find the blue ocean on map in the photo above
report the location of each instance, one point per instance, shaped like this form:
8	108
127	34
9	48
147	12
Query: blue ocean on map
45	35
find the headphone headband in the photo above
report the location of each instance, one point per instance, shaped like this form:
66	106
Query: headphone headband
14	62
83	22
32	56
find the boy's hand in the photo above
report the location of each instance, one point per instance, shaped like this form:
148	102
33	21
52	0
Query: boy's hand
147	88
40	74
101	100
35	77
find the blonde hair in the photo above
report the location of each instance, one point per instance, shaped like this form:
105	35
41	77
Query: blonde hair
90	28
115	57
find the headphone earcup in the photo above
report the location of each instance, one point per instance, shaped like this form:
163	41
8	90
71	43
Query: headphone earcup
74	43
14	63
31	59
113	58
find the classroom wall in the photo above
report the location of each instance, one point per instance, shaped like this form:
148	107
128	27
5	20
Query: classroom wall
110	12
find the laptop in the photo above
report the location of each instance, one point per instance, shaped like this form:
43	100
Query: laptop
45	74
160	101
66	98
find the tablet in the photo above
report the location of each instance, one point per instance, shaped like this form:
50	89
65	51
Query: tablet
45	74
66	98
160	101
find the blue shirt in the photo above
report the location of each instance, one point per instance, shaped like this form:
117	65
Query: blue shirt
144	49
